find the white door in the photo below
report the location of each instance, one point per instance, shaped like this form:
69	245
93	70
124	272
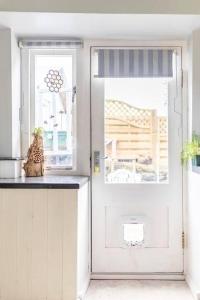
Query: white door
136	170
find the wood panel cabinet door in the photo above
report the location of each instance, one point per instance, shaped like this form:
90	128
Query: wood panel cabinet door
38	244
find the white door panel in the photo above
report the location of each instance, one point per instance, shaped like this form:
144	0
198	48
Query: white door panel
157	205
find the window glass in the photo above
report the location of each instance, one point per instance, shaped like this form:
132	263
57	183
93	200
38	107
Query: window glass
52	106
136	130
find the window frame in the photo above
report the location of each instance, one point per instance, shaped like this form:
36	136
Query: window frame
28	98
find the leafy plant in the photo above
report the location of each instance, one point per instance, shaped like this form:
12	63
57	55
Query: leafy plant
38	131
191	149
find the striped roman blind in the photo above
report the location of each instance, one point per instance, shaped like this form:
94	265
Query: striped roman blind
117	63
51	44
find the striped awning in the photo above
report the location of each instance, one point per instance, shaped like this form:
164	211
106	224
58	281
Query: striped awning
117	63
51	44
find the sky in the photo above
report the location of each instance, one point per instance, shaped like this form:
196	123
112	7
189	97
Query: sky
146	93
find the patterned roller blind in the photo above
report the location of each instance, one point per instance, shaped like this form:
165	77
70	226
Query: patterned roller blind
46	44
117	63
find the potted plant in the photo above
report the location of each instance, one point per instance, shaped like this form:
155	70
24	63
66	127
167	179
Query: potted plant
191	151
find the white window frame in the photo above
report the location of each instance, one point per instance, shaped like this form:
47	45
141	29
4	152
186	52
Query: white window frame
27	100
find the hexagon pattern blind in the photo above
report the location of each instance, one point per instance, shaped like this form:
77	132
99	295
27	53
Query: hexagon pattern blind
53	81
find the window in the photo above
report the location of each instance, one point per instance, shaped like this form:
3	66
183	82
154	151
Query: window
52	103
136	85
136	130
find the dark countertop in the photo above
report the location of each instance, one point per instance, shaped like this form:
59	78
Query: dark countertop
45	182
11	158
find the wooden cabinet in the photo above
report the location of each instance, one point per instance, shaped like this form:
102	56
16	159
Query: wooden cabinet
42	253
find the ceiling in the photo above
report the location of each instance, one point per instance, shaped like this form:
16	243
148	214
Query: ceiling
101	26
187	7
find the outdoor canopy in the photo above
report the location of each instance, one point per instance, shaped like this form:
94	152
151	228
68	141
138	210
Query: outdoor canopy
127	63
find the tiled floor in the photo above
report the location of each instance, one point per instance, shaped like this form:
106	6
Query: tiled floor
138	290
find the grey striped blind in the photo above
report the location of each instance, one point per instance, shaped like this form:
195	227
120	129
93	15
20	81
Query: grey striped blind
117	63
46	44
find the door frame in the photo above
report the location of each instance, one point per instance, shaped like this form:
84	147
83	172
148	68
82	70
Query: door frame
182	45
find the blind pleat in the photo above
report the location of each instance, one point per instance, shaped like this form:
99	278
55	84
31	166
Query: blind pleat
46	44
117	63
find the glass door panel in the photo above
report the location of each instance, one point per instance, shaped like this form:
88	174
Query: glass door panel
136	130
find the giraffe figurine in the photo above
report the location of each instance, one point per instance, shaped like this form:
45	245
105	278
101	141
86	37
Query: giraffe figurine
34	166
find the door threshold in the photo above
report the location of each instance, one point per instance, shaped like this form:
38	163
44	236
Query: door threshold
139	276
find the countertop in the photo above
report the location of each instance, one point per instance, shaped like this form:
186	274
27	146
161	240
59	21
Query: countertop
44	182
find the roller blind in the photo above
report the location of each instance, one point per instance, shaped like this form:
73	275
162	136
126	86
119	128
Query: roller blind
46	44
114	63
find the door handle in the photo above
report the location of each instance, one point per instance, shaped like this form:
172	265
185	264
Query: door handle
97	161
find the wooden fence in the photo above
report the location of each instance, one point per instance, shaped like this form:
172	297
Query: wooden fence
134	134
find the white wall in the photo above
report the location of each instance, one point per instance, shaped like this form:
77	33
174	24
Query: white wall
83	112
15	77
195	77
192	252
5	94
83	246
193	239
104	6
9	95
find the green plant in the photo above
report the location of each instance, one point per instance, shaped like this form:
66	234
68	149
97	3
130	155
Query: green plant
191	149
38	131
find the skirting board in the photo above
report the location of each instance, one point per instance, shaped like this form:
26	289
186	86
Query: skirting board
148	276
195	291
85	285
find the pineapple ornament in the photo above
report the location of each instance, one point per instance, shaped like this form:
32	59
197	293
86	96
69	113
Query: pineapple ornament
34	166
